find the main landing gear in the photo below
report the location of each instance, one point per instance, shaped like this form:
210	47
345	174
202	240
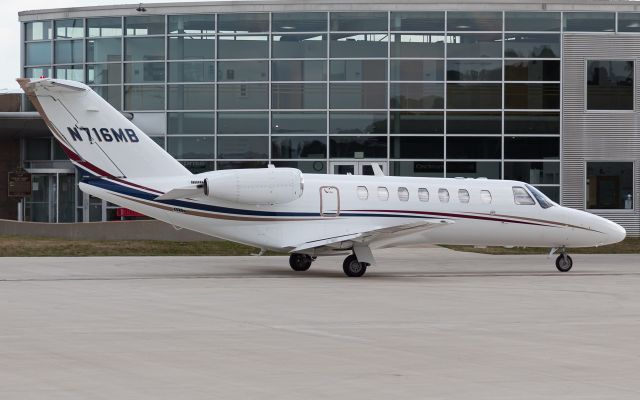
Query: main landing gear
300	262
354	268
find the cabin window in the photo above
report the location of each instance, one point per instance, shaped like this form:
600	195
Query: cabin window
423	194
363	193
463	195
383	193
485	196
520	196
443	194
403	194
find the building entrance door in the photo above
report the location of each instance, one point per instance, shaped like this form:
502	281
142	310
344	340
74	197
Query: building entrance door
357	167
52	197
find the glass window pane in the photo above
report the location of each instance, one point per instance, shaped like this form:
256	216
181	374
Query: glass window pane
589	22
192	47
383	193
298	147
299	70
610	185
531	148
609	85
537	96
144	25
474	45
473	169
531	123
144	72
417	95
532	21
38	30
522	197
111	94
474	70
358	70
417	21
68	51
417	70
533	172
104	74
144	49
358	95
148	97
191	97
38	53
38	149
299	46
243	23
244	96
417	122
443	195
196	23
239	123
358	21
192	123
403	194
222	165
417	147
69	28
417	168
38	72
109	26
532	45
298	95
192	71
474	95
473	147
358	147
104	50
299	22
532	70
358	45
417	45
243	47
357	122
474	21
628	22
70	72
243	147
191	147
298	122
243	71
362	192
476	123
463	195
198	167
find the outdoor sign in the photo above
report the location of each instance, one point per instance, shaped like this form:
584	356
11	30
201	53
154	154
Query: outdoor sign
19	183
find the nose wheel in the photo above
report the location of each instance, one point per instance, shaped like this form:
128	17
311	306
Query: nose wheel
564	262
300	262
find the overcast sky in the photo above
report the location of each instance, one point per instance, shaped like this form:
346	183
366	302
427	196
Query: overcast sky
10	30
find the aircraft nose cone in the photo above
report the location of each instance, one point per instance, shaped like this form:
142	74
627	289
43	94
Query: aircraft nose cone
616	233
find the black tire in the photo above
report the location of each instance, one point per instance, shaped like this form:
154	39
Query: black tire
300	262
353	268
564	265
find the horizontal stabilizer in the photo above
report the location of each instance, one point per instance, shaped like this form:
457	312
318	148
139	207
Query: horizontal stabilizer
182	193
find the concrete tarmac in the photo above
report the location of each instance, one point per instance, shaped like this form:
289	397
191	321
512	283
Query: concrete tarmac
423	324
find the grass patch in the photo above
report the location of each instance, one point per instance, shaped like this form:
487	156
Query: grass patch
627	246
19	246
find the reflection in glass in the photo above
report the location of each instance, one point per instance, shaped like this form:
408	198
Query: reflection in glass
417	122
70	72
111	94
243	46
144	72
192	47
532	45
243	147
417	147
299	22
245	96
417	70
37	72
358	45
104	26
609	185
308	167
474	122
104	74
474	45
148	97
434	169
535	172
417	95
298	95
104	50
474	95
609	85
243	71
474	70
589	21
532	21
417	45
298	122
144	49
299	46
69	28
471	148
538	96
299	70
240	123
358	147
198	167
68	51
192	123
298	147
532	70
474	21
192	71
357	122
221	165
38	30
192	24
358	95
538	123
628	22
473	169
531	148
358	70
358	21
191	97
243	22
198	147
417	21
38	53
144	25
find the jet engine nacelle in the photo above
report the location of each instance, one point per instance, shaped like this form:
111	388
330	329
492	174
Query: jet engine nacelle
255	186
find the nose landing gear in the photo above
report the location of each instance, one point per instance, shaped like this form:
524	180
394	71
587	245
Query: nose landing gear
564	262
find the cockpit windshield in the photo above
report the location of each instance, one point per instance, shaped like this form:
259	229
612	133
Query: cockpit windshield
543	200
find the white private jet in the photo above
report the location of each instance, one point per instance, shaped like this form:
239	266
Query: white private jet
305	215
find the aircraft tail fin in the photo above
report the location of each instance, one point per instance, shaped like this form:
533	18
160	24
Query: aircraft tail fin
95	136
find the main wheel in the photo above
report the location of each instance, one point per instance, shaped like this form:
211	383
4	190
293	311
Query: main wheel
564	263
354	268
300	262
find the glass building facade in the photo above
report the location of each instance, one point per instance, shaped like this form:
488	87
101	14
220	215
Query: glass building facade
432	93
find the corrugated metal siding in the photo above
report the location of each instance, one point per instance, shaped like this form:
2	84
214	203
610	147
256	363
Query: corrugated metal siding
607	136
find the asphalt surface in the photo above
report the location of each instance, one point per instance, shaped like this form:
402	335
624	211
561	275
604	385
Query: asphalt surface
423	324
